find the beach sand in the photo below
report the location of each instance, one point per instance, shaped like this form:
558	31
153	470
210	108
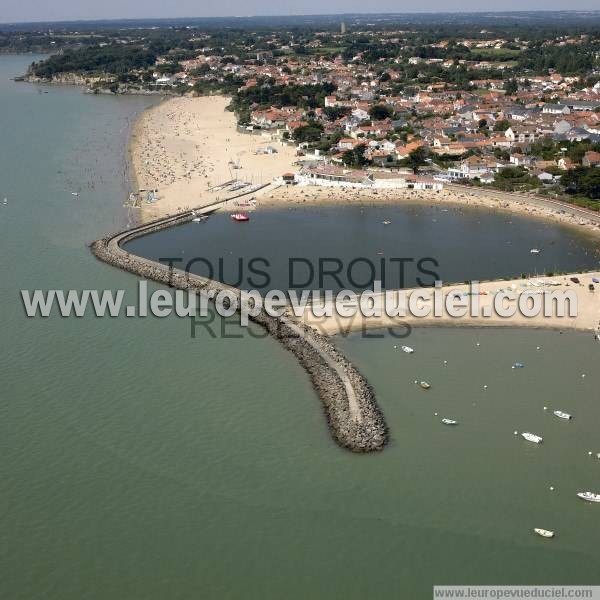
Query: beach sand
184	146
586	319
307	195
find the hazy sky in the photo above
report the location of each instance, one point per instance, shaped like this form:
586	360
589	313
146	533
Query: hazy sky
46	10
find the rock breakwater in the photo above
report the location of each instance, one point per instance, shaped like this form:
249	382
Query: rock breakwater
353	415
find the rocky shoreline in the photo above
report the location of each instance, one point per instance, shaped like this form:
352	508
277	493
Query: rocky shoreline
354	418
97	85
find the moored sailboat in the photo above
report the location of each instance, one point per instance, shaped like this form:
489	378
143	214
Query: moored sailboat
532	437
589	496
545	533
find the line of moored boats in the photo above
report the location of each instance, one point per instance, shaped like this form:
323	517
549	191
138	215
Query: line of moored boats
527	435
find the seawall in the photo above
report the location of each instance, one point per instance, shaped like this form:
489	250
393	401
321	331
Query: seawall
353	415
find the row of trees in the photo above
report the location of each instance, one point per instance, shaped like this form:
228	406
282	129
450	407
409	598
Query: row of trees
115	60
583	181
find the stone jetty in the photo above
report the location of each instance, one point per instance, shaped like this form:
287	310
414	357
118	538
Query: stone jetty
353	415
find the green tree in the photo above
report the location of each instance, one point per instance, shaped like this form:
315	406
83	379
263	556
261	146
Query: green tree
582	181
501	125
308	133
511	87
378	112
355	157
417	158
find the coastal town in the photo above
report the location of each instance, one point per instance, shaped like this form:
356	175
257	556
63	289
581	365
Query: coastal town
370	108
308	304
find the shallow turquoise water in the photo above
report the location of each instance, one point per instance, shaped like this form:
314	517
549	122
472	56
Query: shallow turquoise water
138	462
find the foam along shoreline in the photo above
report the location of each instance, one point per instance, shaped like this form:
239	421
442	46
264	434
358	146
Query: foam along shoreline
353	415
587	319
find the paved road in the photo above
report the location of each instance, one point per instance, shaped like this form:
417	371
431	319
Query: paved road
530	199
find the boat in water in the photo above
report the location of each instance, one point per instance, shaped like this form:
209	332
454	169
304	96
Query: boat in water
407	349
518	365
449	422
562	415
425	385
534	251
531	437
545	533
589	496
240	217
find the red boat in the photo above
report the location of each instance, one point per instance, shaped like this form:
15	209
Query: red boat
242	216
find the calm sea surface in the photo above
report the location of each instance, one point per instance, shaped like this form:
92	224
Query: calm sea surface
336	247
139	463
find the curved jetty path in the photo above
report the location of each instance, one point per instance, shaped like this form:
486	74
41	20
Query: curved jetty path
350	406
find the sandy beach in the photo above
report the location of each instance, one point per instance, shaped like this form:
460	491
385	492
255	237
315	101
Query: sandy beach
184	147
586	319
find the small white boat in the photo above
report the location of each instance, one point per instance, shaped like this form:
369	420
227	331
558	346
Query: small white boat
199	219
534	251
386	222
449	422
531	437
425	385
407	349
544	532
74	193
589	496
562	415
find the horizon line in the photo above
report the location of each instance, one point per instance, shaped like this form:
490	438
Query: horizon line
295	15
